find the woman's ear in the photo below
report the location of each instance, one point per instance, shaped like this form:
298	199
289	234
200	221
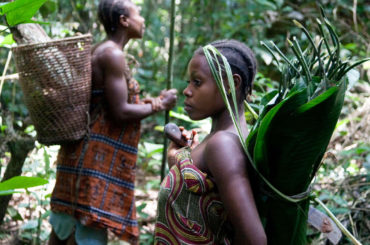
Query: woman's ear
123	20
237	81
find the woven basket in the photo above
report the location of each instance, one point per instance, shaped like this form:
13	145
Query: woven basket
55	78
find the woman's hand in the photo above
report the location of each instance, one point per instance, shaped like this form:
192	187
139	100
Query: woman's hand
164	102
168	99
171	153
155	102
192	139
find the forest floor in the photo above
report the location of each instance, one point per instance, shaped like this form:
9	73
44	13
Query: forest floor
22	230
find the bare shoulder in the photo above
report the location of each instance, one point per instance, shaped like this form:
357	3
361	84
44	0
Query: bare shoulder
222	140
108	55
224	150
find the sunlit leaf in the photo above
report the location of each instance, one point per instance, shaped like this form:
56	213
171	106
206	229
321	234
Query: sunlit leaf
8	40
20	11
8	192
21	182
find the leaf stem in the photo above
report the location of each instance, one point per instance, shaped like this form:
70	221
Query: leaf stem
284	57
337	222
5	70
250	109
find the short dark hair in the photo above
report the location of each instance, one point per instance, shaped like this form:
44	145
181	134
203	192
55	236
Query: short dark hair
110	11
241	59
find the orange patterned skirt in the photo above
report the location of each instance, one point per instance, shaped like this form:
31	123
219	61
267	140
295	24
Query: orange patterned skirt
96	176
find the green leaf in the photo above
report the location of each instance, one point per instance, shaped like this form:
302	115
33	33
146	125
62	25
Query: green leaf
8	40
268	97
21	182
48	8
267	4
14	213
8	192
180	116
20	11
260	149
46	160
290	144
141	212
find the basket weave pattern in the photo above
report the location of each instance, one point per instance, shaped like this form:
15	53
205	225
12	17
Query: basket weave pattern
55	78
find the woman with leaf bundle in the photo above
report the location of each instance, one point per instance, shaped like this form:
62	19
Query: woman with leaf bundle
292	131
207	197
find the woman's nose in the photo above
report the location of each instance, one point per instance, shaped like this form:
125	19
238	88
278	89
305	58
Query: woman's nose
187	92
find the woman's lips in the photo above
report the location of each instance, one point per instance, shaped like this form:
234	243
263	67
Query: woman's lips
187	107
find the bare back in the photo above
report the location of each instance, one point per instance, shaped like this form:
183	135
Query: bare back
98	59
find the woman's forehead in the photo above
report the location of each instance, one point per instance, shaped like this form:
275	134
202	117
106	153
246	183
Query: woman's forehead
198	63
198	59
127	4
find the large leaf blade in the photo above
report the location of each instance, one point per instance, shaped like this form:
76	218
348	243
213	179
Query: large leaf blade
21	182
260	152
20	11
291	144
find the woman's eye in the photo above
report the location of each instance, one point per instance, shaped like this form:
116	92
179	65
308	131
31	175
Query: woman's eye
196	82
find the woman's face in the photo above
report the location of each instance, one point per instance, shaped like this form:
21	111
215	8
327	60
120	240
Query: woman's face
136	25
203	98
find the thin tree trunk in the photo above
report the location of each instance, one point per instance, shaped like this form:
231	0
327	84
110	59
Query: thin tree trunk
20	146
29	33
19	149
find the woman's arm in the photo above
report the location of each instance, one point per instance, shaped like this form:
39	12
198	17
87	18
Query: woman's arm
226	161
112	63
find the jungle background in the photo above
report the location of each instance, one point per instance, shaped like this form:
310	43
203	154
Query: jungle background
343	180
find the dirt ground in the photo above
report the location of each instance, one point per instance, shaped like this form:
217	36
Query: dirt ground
29	210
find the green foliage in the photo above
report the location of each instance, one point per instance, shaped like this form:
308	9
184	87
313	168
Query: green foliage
303	132
7	41
20	11
20	182
199	22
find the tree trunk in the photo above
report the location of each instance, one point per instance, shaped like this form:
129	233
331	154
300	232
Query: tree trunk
20	146
19	149
29	33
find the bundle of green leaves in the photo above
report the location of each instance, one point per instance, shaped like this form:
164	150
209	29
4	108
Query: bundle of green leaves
292	131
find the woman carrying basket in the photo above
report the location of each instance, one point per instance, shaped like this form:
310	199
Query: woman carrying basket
94	188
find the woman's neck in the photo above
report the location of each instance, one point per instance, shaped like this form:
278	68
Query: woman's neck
223	122
120	39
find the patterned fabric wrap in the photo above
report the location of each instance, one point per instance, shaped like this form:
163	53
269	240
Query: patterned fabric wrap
190	210
96	176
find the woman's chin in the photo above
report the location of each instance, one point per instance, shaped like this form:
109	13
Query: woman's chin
195	117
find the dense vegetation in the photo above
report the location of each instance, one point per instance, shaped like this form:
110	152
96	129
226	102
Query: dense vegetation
343	181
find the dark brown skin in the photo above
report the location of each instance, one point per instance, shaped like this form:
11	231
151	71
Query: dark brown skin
108	64
220	154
